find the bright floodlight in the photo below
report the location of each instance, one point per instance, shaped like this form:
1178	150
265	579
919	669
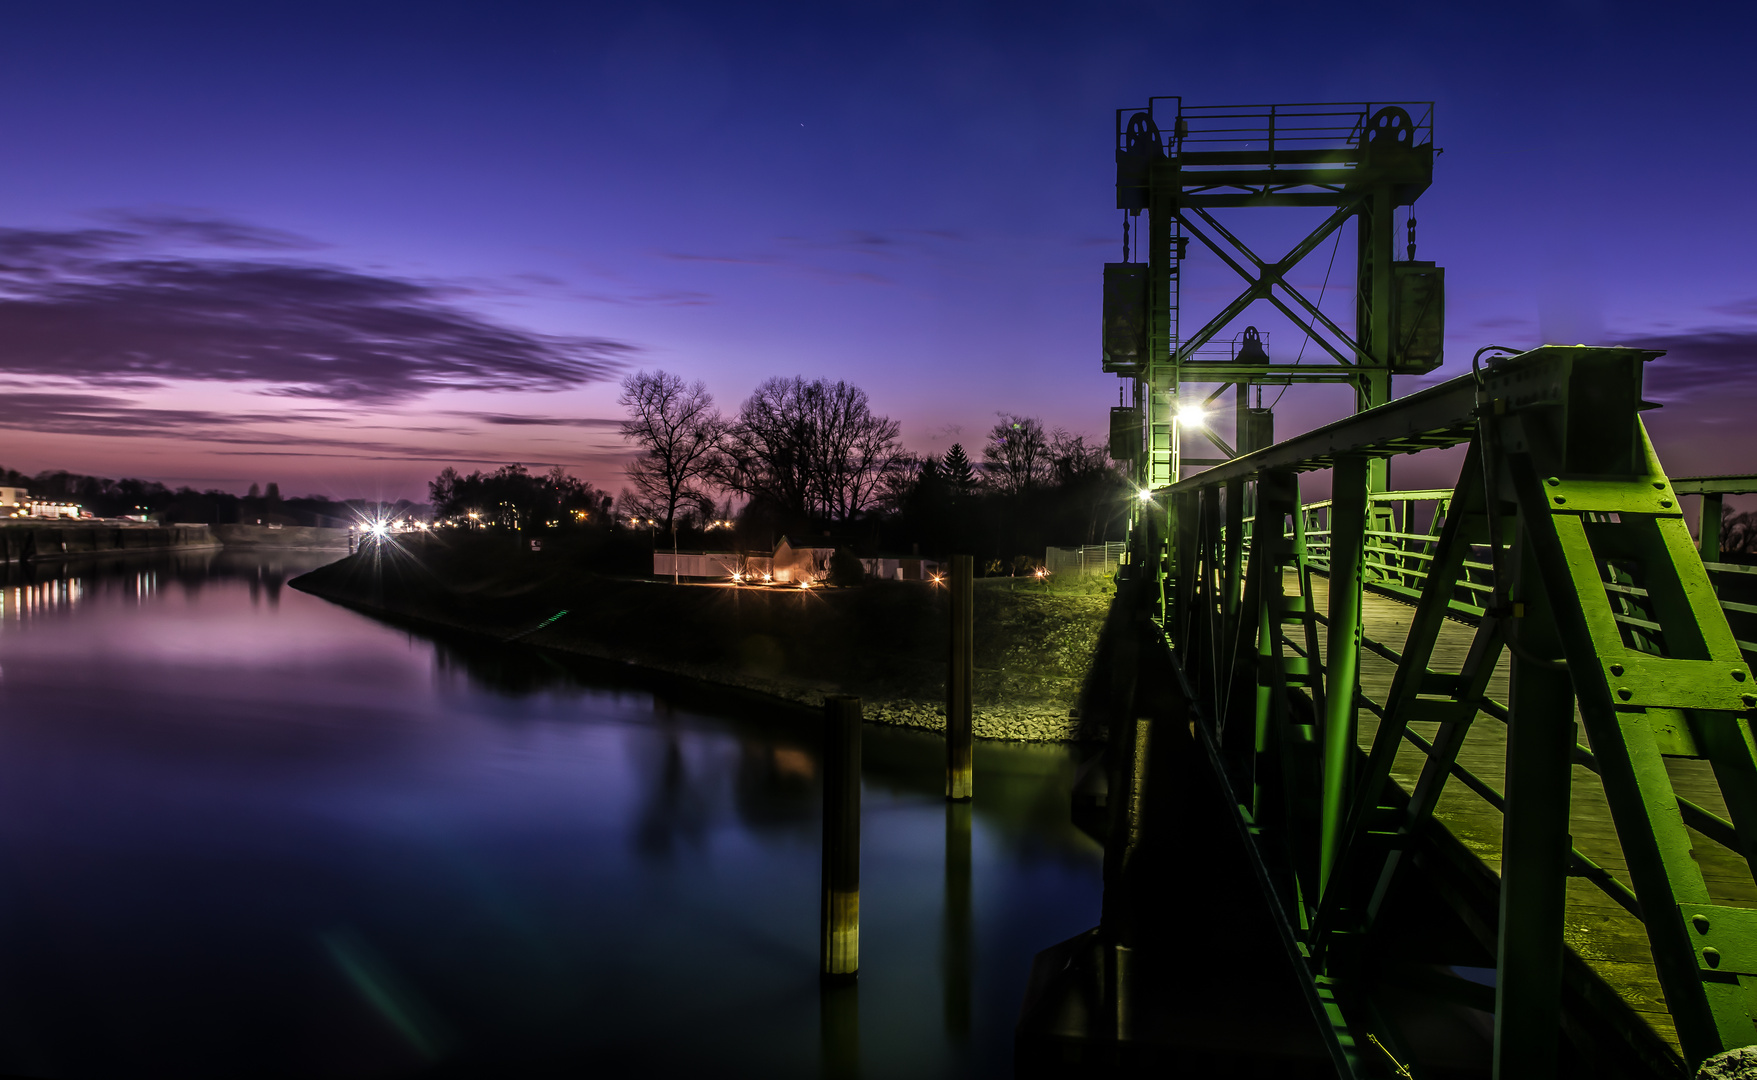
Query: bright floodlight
1192	415
1146	494
379	528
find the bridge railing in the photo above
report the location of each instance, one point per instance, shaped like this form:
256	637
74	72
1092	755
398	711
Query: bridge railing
1397	555
1395	563
1602	603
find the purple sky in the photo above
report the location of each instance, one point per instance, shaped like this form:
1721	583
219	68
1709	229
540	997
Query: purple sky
339	247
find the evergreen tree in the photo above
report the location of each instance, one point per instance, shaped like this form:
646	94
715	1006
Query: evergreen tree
956	471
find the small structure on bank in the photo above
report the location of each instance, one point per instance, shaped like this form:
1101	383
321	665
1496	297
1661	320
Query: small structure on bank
788	564
1086	559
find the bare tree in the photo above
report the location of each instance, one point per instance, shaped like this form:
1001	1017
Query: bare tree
768	448
1088	479
678	431
855	448
809	449
1018	454
1738	532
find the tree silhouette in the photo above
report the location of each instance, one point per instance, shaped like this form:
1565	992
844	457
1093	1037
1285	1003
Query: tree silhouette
1017	454
809	450
678	431
957	473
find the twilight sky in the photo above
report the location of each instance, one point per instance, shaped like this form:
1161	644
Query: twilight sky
341	246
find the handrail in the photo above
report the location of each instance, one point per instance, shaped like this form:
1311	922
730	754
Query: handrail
1394	543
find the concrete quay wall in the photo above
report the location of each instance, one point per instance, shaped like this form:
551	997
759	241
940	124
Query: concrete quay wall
39	541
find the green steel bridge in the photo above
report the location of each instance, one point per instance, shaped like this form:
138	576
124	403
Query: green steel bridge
1487	751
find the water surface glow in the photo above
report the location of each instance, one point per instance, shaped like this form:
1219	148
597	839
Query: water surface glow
246	832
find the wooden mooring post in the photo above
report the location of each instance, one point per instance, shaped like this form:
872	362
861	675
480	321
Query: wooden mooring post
956	943
840	910
959	669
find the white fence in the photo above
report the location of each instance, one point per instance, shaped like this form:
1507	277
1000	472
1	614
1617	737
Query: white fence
1090	559
697	564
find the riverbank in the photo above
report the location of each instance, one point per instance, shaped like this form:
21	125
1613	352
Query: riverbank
35	541
292	537
23	541
884	641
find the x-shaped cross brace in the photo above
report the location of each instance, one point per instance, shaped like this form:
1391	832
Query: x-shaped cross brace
1262	283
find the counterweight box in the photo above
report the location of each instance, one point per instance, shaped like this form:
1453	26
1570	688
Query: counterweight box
1418	316
1125	318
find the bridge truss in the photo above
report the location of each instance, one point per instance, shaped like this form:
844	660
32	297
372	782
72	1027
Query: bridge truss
1564	549
1558	573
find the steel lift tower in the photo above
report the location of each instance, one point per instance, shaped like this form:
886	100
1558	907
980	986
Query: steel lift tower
1180	164
1623	758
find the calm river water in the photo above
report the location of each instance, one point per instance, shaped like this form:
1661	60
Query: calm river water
245	832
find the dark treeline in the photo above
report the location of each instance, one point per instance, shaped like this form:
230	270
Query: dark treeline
512	497
1067	493
809	459
104	497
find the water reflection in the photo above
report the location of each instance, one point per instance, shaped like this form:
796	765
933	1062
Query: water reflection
244	831
34	589
839	1031
955	958
674	811
21	602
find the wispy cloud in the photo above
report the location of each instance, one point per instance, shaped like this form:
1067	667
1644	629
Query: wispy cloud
841	256
207	230
731	260
1705	358
306	433
651	297
97	306
98	415
1746	308
557	421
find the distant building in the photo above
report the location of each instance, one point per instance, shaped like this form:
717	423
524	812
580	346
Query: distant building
14	501
801	563
40	508
789	565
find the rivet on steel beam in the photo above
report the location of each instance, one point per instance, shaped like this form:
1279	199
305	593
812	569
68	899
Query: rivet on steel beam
1625	693
1560	499
1659	484
1700	922
1738	676
1553	481
1750	701
1616	669
1665	504
1711	957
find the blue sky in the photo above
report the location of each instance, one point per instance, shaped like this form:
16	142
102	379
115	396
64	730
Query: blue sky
341	246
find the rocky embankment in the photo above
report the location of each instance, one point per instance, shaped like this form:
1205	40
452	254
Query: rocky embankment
883	641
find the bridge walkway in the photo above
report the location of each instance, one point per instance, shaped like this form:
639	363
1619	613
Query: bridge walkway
1611	941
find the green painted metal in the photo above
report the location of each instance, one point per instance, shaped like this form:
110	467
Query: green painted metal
1535	847
1562	543
1348	516
1714	490
1179	163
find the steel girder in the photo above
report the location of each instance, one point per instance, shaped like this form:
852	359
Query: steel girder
1601	601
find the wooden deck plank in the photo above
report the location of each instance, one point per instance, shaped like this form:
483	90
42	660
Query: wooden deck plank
1610	940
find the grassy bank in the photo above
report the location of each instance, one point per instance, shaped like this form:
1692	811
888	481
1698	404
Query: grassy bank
883	641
